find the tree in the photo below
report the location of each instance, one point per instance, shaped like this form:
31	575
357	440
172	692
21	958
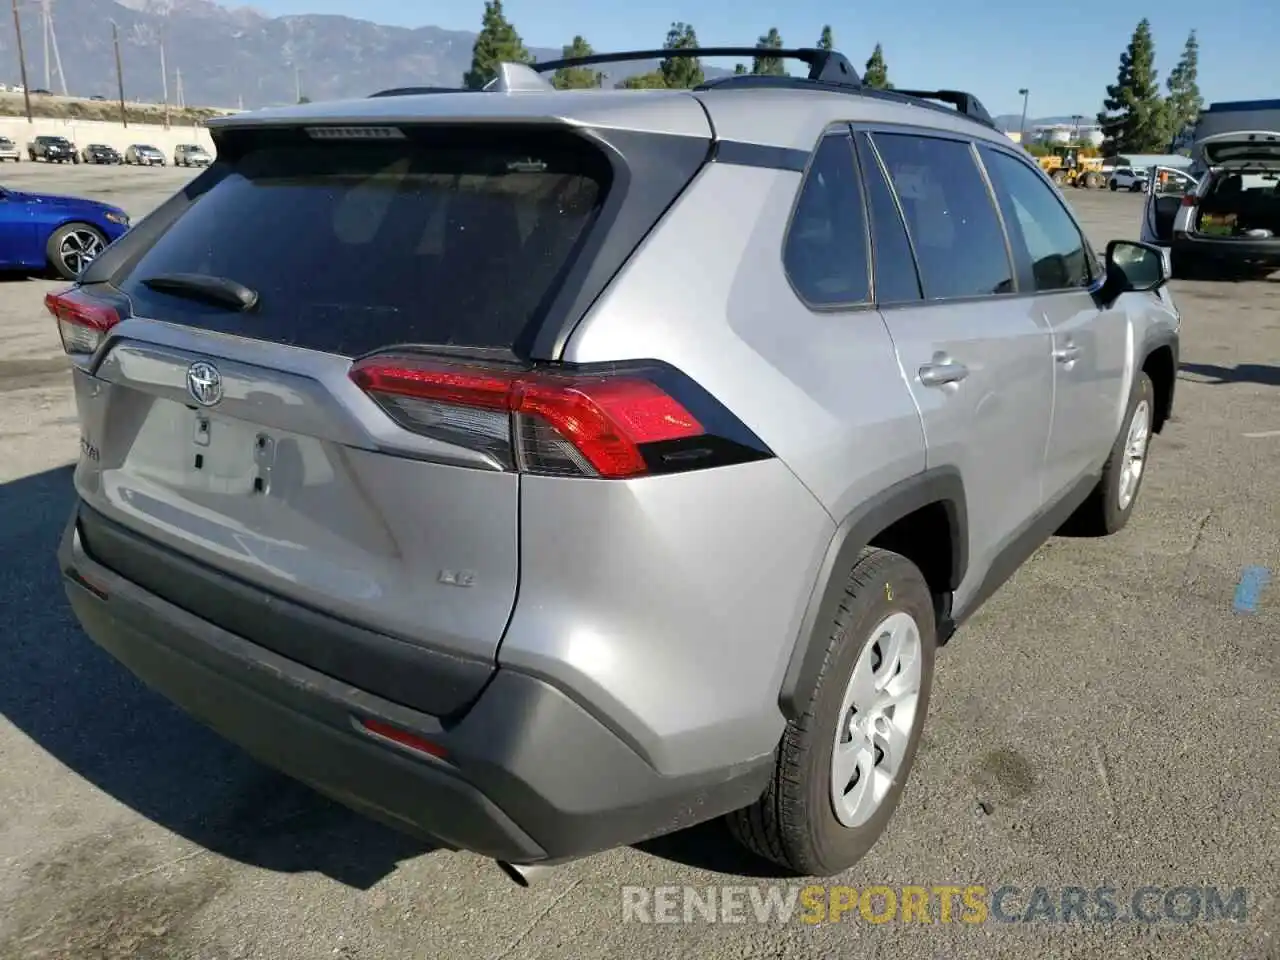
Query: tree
876	74
496	43
577	78
739	69
1184	102
681	72
769	66
643	81
304	99
1134	118
826	41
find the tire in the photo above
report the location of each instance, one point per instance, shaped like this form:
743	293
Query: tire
1114	186
1107	511
54	246
795	824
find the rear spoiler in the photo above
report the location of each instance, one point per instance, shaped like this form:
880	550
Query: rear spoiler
827	68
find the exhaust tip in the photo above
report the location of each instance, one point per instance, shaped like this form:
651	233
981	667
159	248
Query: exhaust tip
525	874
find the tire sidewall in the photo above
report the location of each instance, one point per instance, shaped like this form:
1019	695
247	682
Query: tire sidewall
834	844
1143	389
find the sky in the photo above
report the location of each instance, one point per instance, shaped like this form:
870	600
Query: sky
1064	55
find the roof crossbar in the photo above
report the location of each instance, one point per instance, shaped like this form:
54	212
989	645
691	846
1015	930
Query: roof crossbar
826	66
965	103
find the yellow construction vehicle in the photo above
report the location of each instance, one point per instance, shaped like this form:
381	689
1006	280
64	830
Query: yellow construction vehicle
1073	165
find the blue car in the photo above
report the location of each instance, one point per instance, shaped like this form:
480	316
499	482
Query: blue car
41	230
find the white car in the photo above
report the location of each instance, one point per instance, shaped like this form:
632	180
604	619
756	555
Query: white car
1228	220
1127	178
9	150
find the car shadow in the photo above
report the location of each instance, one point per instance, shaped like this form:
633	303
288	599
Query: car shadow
1265	374
709	846
80	706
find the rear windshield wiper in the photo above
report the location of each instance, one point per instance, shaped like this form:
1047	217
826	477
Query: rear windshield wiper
219	291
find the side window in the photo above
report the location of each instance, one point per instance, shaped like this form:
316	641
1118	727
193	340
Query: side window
959	244
893	263
1054	246
825	253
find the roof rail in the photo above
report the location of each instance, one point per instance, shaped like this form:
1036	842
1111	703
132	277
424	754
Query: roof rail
415	91
826	66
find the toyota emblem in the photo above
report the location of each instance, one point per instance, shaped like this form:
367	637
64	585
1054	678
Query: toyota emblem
204	383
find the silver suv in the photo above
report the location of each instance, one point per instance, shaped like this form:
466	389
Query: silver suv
589	464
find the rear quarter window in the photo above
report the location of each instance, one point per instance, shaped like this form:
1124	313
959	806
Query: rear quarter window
441	239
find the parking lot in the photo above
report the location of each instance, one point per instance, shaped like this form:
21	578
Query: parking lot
1109	719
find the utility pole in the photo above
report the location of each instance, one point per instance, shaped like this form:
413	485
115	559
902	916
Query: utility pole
57	57
164	73
297	83
1022	127
22	62
44	30
182	100
115	40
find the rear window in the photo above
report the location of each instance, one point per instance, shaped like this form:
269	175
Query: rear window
353	245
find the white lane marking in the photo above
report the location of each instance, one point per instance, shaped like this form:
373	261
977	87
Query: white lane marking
1264	433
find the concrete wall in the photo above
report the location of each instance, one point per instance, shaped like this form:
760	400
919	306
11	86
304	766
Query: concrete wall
84	132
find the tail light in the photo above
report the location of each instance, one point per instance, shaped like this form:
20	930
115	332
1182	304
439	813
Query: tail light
624	422
83	319
1188	200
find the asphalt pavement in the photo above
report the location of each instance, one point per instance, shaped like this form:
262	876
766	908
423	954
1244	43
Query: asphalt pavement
1109	719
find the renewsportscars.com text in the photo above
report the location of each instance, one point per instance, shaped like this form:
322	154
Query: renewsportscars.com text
963	904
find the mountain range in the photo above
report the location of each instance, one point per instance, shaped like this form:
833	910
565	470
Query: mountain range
232	57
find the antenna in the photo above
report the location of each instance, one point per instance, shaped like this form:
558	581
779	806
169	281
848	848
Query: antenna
517	77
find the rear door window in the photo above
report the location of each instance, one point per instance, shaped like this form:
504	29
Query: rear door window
894	265
825	252
354	245
959	243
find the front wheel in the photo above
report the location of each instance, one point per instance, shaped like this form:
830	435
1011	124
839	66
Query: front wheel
1111	503
74	246
842	766
1114	186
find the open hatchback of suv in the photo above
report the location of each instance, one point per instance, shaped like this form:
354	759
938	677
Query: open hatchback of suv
1229	221
590	464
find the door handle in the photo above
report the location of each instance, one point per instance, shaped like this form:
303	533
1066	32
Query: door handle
1066	354
941	373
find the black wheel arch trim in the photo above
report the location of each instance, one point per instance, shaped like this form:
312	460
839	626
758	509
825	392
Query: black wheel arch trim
942	485
1154	340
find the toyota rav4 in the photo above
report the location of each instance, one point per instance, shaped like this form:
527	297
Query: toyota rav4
590	464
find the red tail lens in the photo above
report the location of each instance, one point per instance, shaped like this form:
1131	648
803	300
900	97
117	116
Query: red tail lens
403	737
1188	199
583	425
83	320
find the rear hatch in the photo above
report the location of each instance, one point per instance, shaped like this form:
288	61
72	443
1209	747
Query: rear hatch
226	426
1239	150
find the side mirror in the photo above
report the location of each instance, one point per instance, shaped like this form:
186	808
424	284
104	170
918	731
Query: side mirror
1133	267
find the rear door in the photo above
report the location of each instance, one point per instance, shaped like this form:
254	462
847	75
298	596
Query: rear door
1057	265
975	354
236	437
1169	206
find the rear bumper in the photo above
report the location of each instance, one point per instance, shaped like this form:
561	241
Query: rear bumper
527	774
1227	251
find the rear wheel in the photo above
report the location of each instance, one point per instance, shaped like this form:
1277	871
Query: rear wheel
842	766
73	247
1114	186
